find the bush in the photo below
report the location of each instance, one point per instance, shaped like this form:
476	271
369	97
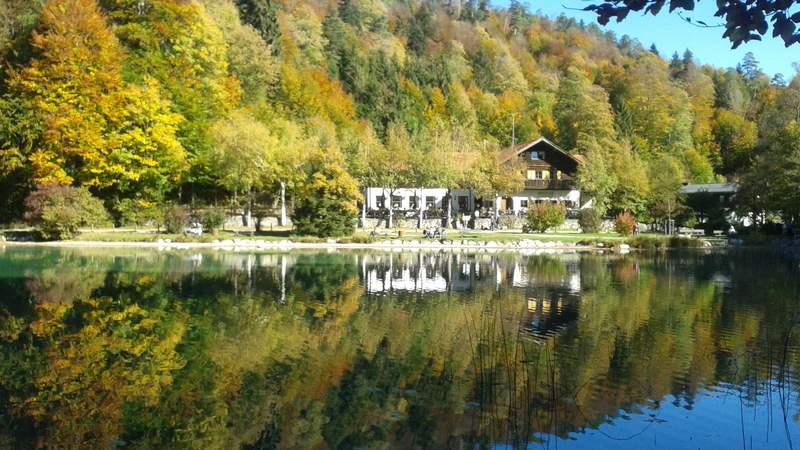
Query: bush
176	218
510	222
137	212
327	202
625	224
213	219
357	239
590	220
56	212
543	216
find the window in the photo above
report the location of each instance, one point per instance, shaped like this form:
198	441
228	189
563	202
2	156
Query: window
414	202
523	203
546	175
535	156
531	175
539	175
397	201
558	174
430	202
462	202
381	201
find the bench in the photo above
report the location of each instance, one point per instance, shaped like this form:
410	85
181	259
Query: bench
690	232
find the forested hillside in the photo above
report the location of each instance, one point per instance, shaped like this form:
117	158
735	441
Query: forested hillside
223	101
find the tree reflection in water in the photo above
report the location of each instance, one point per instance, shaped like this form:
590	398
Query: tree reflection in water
144	349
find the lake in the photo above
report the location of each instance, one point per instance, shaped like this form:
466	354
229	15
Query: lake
147	349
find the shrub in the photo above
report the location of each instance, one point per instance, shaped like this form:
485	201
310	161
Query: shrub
176	218
590	220
327	202
625	223
543	216
137	212
510	222
357	239
56	212
213	219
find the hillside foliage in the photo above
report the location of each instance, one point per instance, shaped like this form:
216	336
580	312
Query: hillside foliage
224	101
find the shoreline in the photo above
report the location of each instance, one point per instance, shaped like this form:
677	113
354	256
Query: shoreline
394	245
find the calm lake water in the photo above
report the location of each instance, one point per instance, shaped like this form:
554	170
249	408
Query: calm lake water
154	350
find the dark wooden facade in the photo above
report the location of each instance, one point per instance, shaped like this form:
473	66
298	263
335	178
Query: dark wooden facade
545	166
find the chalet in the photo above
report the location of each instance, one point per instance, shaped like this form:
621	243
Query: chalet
549	177
550	174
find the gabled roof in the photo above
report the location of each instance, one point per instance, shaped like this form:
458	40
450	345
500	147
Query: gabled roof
511	152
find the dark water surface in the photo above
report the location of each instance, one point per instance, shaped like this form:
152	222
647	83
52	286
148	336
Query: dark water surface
155	350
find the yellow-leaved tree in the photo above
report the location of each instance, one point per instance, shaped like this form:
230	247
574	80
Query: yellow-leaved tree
85	125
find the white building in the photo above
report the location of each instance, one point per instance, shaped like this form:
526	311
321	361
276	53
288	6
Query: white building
549	177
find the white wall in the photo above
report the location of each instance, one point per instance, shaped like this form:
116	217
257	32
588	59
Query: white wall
406	194
546	195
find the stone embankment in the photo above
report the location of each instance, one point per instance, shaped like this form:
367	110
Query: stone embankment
399	244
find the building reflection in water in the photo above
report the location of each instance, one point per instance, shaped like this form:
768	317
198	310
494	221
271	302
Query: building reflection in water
550	285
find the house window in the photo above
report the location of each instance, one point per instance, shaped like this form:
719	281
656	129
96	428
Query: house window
536	156
430	202
397	201
462	202
558	174
523	203
381	201
539	175
414	202
531	175
546	175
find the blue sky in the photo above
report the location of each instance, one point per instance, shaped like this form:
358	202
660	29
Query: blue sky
670	33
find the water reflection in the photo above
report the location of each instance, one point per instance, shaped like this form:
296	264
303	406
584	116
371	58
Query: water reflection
141	349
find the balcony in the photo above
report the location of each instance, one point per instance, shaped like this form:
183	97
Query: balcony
561	185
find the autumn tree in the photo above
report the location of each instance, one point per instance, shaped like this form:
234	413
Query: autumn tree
736	137
327	200
249	57
84	124
582	108
395	165
666	179
242	157
178	44
491	177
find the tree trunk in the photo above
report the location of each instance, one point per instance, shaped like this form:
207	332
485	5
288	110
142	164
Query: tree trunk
420	205
449	216
496	208
364	213
389	223
284	221
249	214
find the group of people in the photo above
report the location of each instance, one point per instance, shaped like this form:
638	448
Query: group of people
434	233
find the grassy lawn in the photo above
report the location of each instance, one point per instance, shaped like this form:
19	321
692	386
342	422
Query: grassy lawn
505	236
132	235
361	236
